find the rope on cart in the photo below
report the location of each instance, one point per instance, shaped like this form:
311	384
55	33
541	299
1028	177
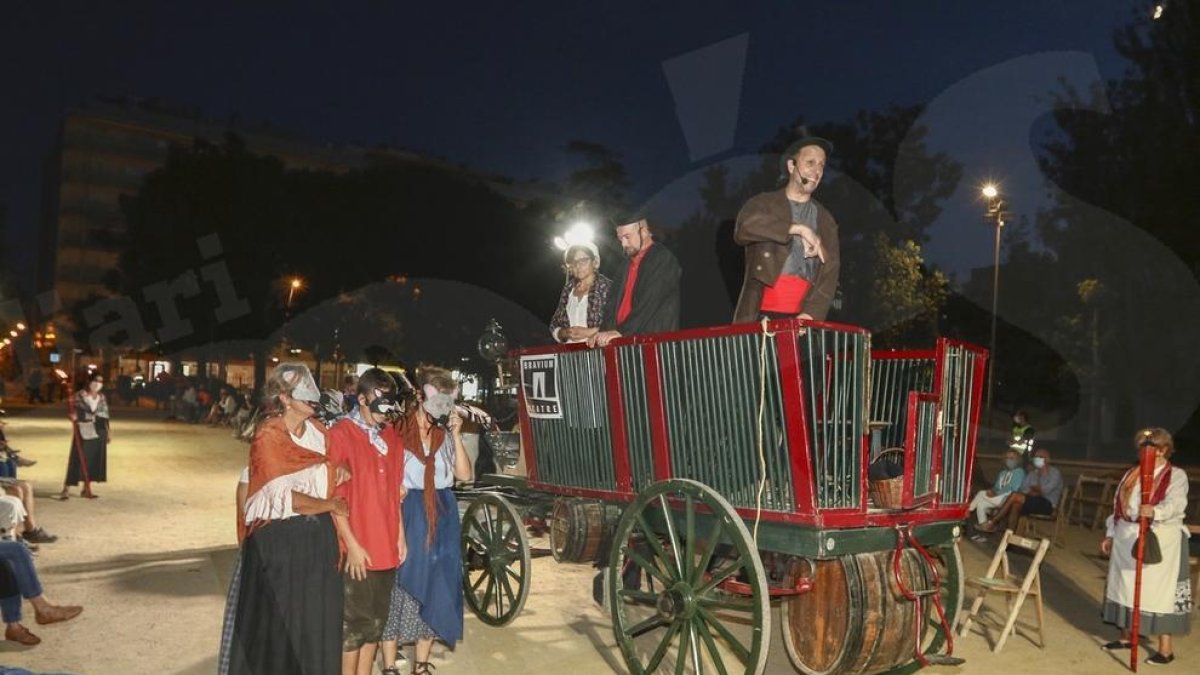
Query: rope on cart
762	407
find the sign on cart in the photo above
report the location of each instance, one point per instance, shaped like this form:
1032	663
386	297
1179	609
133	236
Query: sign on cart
539	380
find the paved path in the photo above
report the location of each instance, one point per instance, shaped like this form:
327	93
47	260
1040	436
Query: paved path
150	559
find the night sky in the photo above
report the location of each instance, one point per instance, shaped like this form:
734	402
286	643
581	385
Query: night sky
503	88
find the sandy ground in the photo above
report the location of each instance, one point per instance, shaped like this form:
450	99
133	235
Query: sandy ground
150	561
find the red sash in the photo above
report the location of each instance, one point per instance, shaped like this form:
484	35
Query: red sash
786	296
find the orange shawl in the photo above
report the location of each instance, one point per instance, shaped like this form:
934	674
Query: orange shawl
273	453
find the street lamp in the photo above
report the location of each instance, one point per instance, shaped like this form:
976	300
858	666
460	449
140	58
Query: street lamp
294	285
994	215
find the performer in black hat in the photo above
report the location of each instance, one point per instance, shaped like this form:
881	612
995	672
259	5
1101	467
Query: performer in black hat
791	241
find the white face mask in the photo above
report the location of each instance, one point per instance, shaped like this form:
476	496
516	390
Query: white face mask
95	386
1039	462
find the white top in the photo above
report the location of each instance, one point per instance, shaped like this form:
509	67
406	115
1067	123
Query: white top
443	472
92	401
274	500
577	309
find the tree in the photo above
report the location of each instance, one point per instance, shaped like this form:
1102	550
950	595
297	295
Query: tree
337	231
601	180
1127	182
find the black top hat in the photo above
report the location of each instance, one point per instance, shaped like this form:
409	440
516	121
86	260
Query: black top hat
800	143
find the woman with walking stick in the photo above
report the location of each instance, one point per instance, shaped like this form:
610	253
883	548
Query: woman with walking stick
1164	604
88	459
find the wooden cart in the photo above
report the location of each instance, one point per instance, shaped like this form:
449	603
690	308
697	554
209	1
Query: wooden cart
717	471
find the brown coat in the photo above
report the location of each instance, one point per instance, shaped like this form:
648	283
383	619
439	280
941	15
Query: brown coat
762	227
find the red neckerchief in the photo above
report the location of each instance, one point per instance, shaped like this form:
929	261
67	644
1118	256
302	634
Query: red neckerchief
626	305
411	433
1133	476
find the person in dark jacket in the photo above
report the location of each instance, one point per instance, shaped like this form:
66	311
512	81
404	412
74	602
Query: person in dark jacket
645	297
791	242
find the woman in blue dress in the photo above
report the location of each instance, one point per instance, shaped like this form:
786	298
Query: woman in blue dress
427	601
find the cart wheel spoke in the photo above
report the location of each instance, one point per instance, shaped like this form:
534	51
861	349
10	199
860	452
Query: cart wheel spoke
710	547
727	604
484	576
711	646
688	572
718	578
639	596
685	638
643	627
715	623
672	536
663	646
648	567
652	539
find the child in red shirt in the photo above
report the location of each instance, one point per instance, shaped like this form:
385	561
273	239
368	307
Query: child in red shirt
369	446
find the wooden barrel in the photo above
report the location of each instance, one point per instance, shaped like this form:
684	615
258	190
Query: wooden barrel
855	619
579	528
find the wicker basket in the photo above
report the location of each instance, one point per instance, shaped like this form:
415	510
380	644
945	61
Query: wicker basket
887	493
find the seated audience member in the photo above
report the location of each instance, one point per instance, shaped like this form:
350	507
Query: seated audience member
1039	494
10	458
1010	477
18	578
23	491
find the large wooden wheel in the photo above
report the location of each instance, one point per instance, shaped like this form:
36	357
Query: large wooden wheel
678	554
495	555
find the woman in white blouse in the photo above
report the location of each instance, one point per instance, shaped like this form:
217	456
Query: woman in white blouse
1166	597
289	603
583	298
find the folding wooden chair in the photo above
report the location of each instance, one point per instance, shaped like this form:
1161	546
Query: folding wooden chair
999	578
1028	526
1093	494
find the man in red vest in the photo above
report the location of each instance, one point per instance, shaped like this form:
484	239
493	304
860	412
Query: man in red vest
791	240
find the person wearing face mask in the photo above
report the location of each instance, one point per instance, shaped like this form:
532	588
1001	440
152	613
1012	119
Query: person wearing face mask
427	601
584	297
88	459
368	444
1009	479
1038	495
1166	598
791	240
288	595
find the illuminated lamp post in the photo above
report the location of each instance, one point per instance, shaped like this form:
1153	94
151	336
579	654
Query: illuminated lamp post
993	215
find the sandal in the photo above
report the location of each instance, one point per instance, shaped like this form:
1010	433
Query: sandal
423	668
1115	645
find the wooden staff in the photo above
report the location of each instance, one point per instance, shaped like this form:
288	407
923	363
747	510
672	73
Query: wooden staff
1146	467
77	440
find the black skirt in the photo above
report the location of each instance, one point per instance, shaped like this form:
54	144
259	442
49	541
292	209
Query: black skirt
289	612
95	456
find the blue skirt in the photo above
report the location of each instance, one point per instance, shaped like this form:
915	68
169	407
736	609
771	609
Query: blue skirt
431	576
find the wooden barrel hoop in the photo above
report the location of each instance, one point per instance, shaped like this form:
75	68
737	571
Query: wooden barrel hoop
855	620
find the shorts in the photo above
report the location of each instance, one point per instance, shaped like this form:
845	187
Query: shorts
366	610
1037	505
